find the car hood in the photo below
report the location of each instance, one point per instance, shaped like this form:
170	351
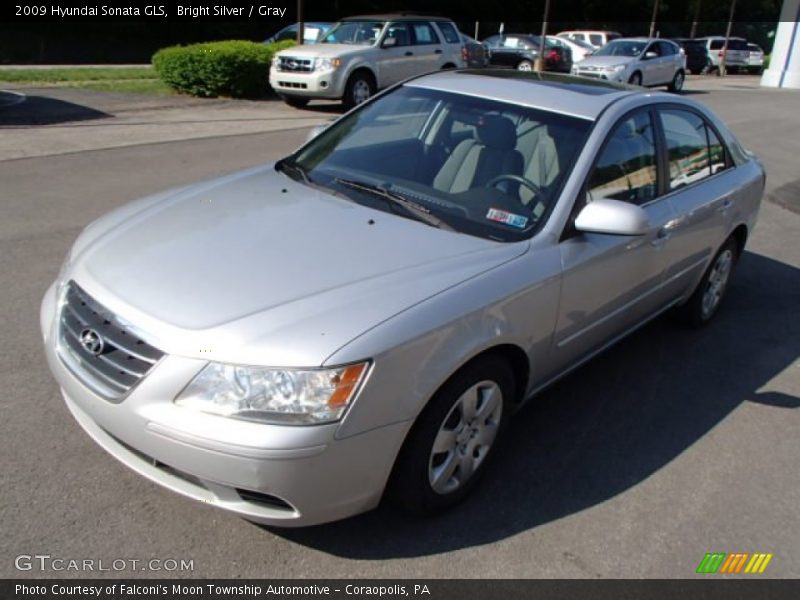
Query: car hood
323	50
606	61
257	268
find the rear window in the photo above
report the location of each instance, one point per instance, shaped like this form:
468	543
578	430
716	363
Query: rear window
449	32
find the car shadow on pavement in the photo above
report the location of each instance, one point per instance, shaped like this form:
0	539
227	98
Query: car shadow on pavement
41	110
608	426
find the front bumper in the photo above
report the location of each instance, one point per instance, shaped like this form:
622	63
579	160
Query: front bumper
271	474
312	84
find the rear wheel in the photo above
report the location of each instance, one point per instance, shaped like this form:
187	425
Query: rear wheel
525	65
360	88
706	299
452	440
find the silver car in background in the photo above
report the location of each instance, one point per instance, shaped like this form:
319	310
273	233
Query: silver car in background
363	318
647	62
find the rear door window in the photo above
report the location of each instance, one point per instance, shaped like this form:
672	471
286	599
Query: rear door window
694	151
449	32
424	34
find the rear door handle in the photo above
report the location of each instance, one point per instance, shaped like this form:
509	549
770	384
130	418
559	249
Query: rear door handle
438	51
725	205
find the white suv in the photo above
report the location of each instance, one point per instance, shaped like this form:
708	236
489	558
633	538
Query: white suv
360	55
597	39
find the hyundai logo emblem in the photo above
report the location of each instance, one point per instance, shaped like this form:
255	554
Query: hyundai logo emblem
92	341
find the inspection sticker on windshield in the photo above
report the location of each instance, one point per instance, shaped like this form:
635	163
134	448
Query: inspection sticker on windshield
501	216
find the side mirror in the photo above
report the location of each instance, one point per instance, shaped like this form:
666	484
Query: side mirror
612	217
389	42
650	54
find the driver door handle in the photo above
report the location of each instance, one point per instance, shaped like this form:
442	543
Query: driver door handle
437	51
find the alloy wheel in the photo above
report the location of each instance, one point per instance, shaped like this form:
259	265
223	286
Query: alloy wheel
717	282
465	437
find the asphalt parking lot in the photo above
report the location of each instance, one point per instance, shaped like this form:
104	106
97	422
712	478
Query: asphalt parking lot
672	444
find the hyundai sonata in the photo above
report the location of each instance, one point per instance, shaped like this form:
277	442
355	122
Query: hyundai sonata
362	319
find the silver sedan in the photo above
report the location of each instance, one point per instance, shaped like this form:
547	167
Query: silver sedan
362	319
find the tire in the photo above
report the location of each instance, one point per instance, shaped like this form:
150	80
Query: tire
426	481
296	101
635	79
525	65
704	303
676	85
359	88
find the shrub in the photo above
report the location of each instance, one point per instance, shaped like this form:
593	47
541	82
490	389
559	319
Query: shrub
766	61
233	68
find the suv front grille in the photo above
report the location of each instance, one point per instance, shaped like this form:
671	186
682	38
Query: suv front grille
301	65
99	348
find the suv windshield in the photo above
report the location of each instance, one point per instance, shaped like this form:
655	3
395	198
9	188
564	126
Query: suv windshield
622	48
361	33
477	166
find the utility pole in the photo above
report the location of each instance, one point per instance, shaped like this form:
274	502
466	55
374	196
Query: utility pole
722	65
300	24
653	18
697	6
539	64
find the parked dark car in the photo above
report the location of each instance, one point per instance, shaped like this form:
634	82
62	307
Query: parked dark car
474	53
696	54
521	50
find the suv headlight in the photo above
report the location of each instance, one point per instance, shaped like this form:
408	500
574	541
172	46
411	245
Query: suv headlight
282	396
327	64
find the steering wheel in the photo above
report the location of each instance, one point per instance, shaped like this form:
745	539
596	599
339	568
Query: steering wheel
516	178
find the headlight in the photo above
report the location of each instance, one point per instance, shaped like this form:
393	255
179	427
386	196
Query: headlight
293	396
327	64
616	68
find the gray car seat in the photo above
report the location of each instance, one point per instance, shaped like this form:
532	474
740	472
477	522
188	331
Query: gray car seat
474	162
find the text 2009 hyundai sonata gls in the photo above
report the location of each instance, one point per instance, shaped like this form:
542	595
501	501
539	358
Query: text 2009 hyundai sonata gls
362	318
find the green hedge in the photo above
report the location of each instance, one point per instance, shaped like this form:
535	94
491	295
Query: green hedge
766	61
233	68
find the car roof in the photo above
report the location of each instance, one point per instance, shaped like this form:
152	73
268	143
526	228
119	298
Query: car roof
575	96
396	17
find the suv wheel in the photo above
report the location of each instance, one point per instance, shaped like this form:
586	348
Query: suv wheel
359	88
676	85
452	440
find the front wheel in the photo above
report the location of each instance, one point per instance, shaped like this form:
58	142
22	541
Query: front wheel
449	446
636	79
360	88
676	85
706	299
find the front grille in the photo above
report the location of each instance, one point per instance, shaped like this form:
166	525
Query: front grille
122	359
295	65
293	84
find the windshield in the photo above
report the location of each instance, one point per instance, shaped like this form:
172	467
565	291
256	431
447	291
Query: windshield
622	48
361	33
479	166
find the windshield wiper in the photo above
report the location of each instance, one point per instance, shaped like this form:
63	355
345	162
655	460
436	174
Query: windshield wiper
418	211
287	167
